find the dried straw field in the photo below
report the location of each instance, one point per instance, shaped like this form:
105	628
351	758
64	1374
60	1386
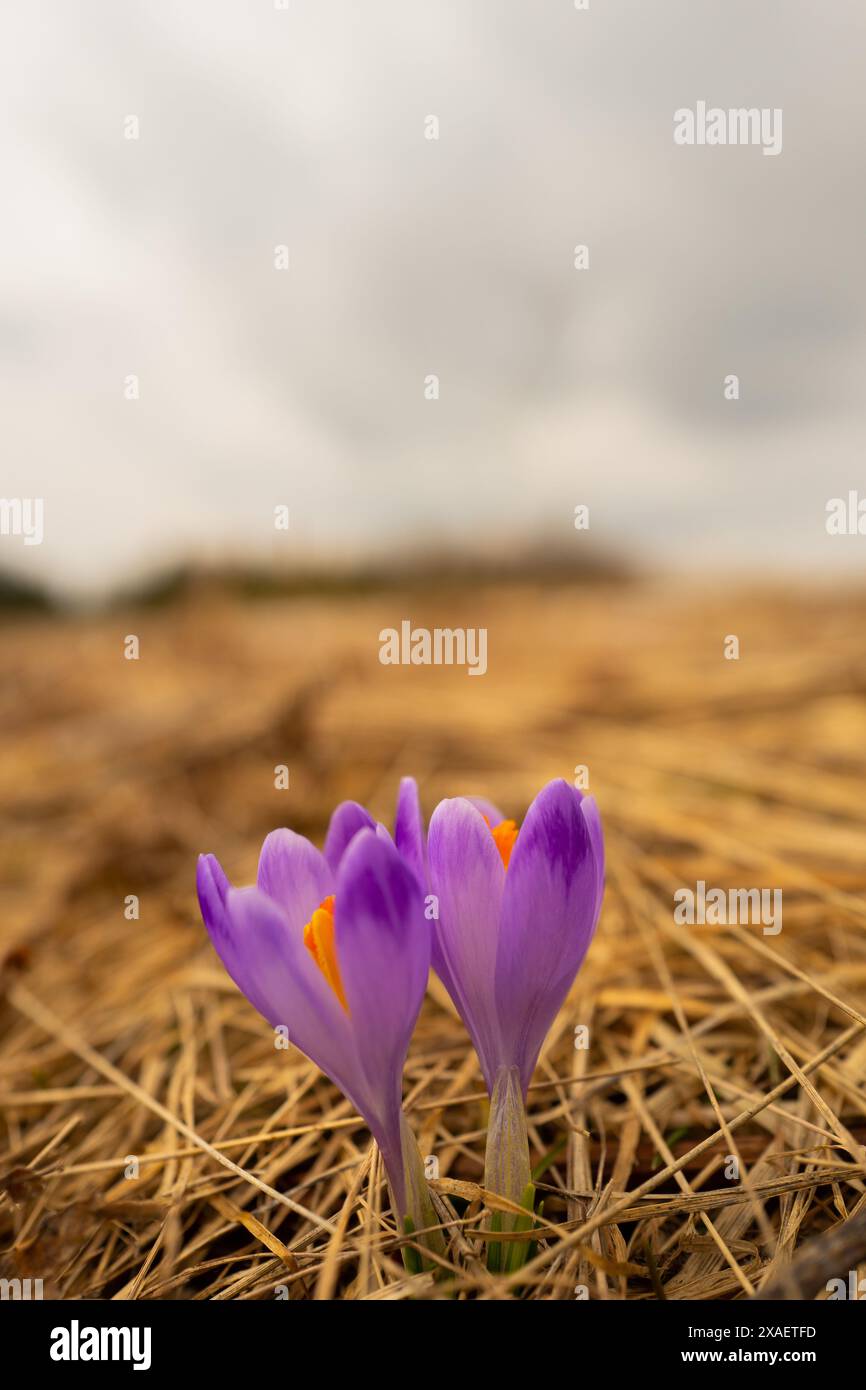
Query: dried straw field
154	1143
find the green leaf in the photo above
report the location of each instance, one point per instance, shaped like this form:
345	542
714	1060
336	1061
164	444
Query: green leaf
552	1154
411	1257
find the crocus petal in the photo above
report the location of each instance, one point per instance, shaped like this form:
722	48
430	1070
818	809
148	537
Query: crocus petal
383	947
491	813
295	874
549	911
348	818
213	887
467	876
213	892
596	835
409	828
277	973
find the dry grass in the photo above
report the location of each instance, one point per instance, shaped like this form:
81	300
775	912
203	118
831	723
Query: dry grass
124	1038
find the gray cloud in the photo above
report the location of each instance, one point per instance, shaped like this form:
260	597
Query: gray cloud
410	257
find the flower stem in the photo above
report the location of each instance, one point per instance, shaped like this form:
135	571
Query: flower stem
419	1211
507	1171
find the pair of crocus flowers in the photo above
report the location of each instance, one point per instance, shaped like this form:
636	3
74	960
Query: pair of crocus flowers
336	945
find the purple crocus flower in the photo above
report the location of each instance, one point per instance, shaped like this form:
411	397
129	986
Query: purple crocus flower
517	909
335	947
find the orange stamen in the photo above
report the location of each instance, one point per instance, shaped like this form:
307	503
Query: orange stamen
504	837
319	941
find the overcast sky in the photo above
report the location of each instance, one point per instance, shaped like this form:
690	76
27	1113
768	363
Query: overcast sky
305	126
